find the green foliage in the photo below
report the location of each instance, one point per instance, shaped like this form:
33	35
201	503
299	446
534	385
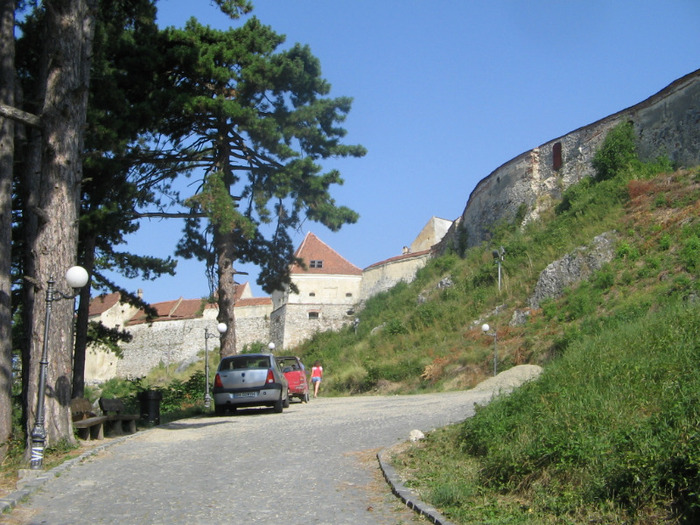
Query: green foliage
256	347
624	427
395	327
606	434
625	250
690	253
618	152
180	397
258	118
604	279
120	388
109	338
179	394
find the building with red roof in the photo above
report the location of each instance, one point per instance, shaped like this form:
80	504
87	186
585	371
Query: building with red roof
328	291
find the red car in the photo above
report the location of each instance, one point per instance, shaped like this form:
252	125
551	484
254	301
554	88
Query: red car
295	373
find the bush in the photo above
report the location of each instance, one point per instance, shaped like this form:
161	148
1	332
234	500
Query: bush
618	152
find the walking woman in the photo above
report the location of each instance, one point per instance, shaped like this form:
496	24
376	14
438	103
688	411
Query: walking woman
316	376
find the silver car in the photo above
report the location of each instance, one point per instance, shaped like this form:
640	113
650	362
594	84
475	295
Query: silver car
249	380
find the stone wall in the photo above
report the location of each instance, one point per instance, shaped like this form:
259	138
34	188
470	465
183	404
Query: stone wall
383	276
251	330
522	188
291	324
165	342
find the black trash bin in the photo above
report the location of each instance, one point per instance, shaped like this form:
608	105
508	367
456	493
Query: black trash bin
150	406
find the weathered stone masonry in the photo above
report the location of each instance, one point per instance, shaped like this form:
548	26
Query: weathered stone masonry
667	123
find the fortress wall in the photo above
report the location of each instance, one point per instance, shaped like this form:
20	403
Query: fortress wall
252	329
381	277
667	123
291	324
164	342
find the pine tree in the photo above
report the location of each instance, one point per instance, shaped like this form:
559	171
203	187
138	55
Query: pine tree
257	123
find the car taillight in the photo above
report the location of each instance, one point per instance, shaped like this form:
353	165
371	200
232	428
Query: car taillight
217	381
270	377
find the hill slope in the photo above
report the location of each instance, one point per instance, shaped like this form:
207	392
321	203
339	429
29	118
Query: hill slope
610	431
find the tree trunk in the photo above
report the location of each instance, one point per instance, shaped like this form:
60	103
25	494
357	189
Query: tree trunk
31	165
81	325
7	131
69	32
225	245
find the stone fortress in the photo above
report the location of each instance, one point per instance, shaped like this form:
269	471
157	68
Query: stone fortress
331	289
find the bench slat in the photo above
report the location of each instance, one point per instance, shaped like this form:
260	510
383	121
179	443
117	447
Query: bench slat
91	428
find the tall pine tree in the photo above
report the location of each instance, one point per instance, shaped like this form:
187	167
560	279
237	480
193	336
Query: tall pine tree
256	122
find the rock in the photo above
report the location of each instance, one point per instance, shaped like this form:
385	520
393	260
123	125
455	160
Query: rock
512	378
416	435
446	283
519	317
573	267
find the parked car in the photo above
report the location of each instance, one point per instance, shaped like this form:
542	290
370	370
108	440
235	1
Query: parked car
249	380
293	369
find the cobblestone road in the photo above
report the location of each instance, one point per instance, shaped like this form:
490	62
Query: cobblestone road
313	464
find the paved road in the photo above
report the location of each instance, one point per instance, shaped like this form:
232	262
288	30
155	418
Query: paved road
313	464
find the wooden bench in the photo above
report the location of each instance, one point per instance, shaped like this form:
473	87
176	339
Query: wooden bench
87	424
118	422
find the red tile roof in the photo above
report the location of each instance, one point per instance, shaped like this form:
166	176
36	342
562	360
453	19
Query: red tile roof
192	308
313	249
102	303
253	301
171	311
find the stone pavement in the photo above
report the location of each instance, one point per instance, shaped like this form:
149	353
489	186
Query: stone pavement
314	464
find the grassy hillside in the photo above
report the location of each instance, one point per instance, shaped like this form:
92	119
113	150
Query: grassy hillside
611	431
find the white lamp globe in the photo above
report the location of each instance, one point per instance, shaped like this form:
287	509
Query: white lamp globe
271	346
221	327
485	327
77	276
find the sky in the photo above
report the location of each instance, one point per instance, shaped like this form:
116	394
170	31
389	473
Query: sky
444	92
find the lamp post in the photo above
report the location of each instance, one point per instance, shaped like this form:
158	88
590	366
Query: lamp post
485	328
271	346
498	257
221	328
77	277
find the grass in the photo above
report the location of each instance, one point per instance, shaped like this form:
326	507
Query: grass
609	434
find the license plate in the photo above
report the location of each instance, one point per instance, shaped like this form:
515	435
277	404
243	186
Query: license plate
246	394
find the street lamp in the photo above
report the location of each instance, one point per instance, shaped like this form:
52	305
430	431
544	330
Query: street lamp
498	257
485	328
271	346
77	277
221	327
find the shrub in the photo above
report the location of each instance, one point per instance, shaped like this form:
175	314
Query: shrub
690	253
618	152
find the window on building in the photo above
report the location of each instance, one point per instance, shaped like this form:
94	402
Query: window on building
349	294
316	264
312	294
556	156
313	315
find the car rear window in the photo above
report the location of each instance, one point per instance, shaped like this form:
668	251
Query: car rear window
288	365
243	362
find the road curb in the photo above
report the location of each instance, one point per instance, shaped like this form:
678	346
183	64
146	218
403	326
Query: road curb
405	494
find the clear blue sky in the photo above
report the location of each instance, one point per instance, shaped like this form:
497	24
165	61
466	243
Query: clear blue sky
445	91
